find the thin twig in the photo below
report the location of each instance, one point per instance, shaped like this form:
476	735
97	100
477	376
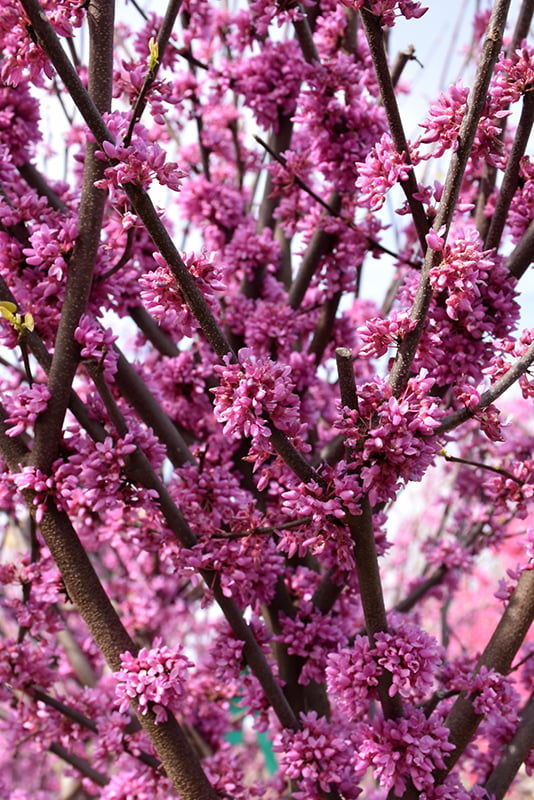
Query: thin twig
479	465
334	210
510	179
522	255
164	35
490	395
375	38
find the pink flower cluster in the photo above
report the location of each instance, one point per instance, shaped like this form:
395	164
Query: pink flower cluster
128	81
97	345
163	297
270	81
316	757
25	406
19	118
389	10
49	250
513	75
311	635
154	678
252	390
42	486
378	334
491	692
139	162
22	55
408	653
391	438
382	169
445	117
522	206
323	509
405	750
462	274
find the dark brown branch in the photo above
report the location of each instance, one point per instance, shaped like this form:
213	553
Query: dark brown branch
400	372
403	56
85	722
80	764
407	603
522	255
320	244
86	591
522	25
34	179
499	654
514	755
365	554
100	15
137	393
151	330
280	141
489	177
323	329
305	38
510	179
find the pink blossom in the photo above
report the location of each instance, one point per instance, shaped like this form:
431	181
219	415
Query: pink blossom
252	388
155	678
97	345
389	10
435	240
26	406
406	749
381	170
315	758
138	162
41	486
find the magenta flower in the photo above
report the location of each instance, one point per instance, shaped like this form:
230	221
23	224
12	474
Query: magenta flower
155	678
25	407
251	391
405	749
381	170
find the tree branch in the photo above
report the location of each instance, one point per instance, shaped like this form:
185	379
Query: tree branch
510	179
400	372
490	395
164	35
100	14
522	255
514	755
86	591
499	653
365	555
375	38
138	468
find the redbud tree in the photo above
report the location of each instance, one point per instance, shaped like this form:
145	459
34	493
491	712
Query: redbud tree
266	429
